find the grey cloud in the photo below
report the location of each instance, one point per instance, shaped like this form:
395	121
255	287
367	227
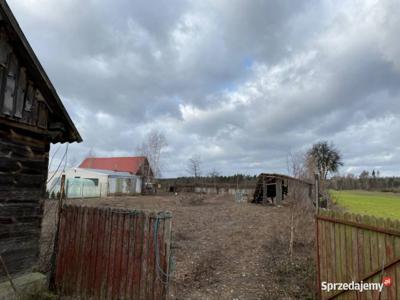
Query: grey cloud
242	83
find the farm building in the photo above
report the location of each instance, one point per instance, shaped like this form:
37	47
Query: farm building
242	191
85	183
31	117
134	165
272	188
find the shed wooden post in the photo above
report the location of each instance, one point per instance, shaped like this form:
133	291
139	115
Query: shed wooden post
317	193
278	192
265	192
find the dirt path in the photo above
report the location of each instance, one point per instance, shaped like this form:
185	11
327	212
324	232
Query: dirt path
222	249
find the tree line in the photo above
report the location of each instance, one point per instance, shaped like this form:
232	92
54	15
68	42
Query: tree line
365	181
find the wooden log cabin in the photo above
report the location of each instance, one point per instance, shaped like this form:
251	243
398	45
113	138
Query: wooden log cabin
31	117
273	188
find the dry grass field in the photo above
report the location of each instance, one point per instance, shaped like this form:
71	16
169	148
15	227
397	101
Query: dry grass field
223	249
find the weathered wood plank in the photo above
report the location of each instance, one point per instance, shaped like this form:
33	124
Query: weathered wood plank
396	279
145	254
20	93
335	232
324	270
42	115
9	181
389	249
17	195
374	256
13	149
81	257
10	85
87	245
382	254
29	113
343	257
21	137
117	278
14	167
113	249
125	254
139	241
98	272
18	230
106	253
150	260
366	250
95	229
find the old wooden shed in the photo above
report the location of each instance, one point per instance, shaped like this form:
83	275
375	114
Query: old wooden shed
273	188
31	117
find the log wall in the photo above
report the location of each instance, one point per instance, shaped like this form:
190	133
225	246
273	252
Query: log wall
23	174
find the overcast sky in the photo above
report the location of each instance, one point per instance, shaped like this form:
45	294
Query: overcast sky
240	83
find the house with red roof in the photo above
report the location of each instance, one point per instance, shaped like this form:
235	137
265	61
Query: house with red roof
105	176
135	165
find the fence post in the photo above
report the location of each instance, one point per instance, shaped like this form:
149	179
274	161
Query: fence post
55	246
316	193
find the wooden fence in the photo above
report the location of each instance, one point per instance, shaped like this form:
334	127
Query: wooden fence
355	248
106	253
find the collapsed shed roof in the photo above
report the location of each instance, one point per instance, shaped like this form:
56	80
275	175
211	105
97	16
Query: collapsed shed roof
286	177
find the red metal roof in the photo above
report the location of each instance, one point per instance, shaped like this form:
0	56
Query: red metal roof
119	164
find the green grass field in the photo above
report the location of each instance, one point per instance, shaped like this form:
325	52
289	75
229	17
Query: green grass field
386	205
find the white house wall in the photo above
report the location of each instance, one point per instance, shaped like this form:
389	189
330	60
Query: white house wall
124	185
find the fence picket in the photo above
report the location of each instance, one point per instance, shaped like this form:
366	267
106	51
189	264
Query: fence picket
348	254
375	256
396	278
332	249
322	239
367	253
391	293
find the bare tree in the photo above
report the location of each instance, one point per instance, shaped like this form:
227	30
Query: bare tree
194	166
214	174
301	212
152	146
297	165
